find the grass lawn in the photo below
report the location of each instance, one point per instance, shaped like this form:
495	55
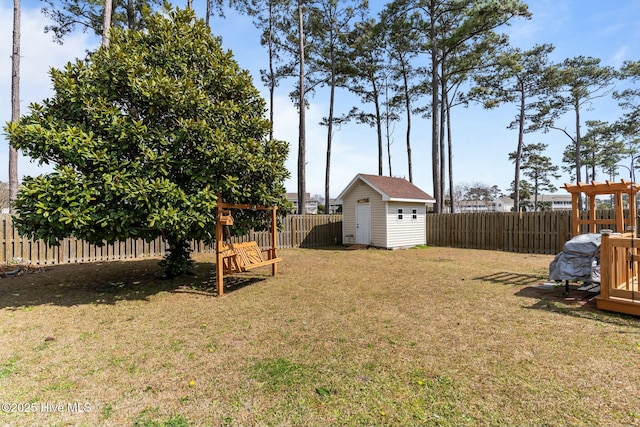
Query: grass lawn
429	337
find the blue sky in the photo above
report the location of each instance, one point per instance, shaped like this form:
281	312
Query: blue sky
606	30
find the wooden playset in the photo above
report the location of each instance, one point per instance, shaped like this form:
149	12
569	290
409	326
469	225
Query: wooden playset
232	258
619	249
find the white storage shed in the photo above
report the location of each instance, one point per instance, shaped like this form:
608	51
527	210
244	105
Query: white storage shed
384	212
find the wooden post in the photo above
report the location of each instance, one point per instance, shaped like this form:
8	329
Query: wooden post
294	232
632	208
575	214
592	213
605	266
274	240
619	208
219	237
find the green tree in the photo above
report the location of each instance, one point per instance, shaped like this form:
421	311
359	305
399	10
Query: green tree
539	169
629	100
273	19
516	77
525	189
628	126
447	26
367	75
402	49
601	148
480	192
330	22
573	85
89	15
145	135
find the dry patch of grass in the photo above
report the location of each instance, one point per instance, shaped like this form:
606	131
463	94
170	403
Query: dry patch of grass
432	336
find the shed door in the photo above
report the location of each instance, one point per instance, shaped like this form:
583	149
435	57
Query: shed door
363	223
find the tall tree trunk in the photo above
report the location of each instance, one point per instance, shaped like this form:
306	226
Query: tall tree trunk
327	175
443	115
449	153
519	149
378	124
131	14
272	80
435	107
578	153
578	147
208	15
302	127
387	124
407	104
106	25
15	102
535	195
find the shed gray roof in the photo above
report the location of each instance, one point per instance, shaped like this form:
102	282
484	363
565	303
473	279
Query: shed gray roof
391	189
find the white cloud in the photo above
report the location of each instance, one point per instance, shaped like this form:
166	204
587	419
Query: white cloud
619	56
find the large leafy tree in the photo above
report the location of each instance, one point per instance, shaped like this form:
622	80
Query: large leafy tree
145	135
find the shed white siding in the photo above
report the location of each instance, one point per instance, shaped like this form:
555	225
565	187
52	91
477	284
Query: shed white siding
411	229
378	215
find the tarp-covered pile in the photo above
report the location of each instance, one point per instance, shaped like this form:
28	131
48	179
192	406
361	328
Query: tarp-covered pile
579	260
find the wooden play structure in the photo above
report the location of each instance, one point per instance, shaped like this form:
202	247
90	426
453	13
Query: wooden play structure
619	249
232	258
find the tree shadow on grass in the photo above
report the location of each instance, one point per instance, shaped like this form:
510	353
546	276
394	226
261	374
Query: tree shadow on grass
551	297
108	283
231	283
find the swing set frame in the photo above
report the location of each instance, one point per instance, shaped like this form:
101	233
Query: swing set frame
619	249
236	258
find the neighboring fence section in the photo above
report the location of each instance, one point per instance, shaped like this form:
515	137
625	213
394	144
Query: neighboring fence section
297	231
525	232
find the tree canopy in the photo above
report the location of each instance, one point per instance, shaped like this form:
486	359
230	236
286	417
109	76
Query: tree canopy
144	135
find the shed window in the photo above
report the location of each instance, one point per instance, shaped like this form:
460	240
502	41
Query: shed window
400	213
414	215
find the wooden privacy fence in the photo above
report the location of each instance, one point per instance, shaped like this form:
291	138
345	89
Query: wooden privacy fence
525	232
305	231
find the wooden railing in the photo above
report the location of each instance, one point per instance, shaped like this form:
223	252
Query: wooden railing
619	274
